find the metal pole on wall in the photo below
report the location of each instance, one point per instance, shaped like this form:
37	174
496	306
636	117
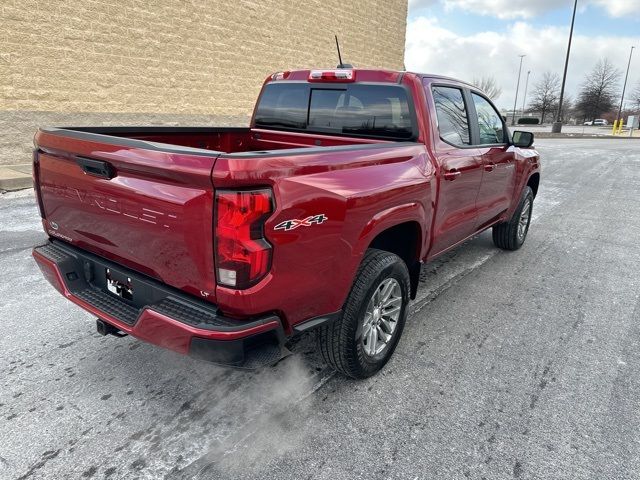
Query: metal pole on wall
557	125
624	88
526	87
515	102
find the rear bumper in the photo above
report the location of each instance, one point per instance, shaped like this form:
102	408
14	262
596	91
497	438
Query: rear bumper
159	314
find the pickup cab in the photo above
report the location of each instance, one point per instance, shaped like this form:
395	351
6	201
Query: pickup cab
222	243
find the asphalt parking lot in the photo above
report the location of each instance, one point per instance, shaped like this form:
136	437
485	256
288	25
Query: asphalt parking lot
513	365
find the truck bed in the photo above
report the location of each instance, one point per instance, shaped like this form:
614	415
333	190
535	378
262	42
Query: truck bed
206	140
143	196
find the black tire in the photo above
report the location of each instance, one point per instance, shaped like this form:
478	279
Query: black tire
341	342
507	235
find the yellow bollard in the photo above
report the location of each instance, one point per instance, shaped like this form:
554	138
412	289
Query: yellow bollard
620	125
615	127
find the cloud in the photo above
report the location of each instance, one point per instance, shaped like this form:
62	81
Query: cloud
527	9
431	48
413	4
619	8
506	9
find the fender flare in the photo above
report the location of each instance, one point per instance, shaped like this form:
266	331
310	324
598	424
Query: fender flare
519	187
409	212
388	218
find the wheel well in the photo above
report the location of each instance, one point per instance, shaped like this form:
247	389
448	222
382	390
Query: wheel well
534	182
404	240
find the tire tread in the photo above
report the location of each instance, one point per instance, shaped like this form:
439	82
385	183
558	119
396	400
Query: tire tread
505	234
334	339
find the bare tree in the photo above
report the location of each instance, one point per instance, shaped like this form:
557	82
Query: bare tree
635	97
599	90
546	95
488	85
568	107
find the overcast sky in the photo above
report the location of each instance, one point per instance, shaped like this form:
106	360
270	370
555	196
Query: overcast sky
468	39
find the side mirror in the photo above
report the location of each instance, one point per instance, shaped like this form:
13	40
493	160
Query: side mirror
522	139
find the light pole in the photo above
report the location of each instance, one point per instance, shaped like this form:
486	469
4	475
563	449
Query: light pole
557	125
526	87
515	102
625	87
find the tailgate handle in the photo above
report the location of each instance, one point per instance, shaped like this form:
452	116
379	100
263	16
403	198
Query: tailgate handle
97	168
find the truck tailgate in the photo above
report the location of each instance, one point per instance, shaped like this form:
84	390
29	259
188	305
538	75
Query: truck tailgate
145	208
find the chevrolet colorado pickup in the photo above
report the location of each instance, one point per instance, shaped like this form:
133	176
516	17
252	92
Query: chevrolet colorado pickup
222	243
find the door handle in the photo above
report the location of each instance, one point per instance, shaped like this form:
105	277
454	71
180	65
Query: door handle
489	167
96	168
451	175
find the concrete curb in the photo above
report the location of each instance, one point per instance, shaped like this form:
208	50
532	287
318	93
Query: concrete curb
15	177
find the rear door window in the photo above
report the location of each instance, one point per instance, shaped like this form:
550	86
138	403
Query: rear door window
453	120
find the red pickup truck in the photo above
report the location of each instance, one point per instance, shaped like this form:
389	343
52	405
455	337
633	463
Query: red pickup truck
222	243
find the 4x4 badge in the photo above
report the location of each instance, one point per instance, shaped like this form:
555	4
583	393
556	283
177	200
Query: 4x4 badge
307	222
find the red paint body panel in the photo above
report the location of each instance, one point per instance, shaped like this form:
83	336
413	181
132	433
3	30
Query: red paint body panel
156	214
137	218
348	187
498	183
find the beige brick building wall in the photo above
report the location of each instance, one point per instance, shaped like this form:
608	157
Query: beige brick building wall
171	61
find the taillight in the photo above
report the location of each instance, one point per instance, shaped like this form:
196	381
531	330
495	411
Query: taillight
340	76
242	254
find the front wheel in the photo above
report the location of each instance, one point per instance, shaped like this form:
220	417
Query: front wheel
362	340
512	234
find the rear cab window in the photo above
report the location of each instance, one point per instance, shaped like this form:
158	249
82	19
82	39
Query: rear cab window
357	110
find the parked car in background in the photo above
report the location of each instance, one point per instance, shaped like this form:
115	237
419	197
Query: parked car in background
221	243
598	122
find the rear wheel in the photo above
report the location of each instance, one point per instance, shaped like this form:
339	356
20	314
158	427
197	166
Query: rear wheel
512	234
362	340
